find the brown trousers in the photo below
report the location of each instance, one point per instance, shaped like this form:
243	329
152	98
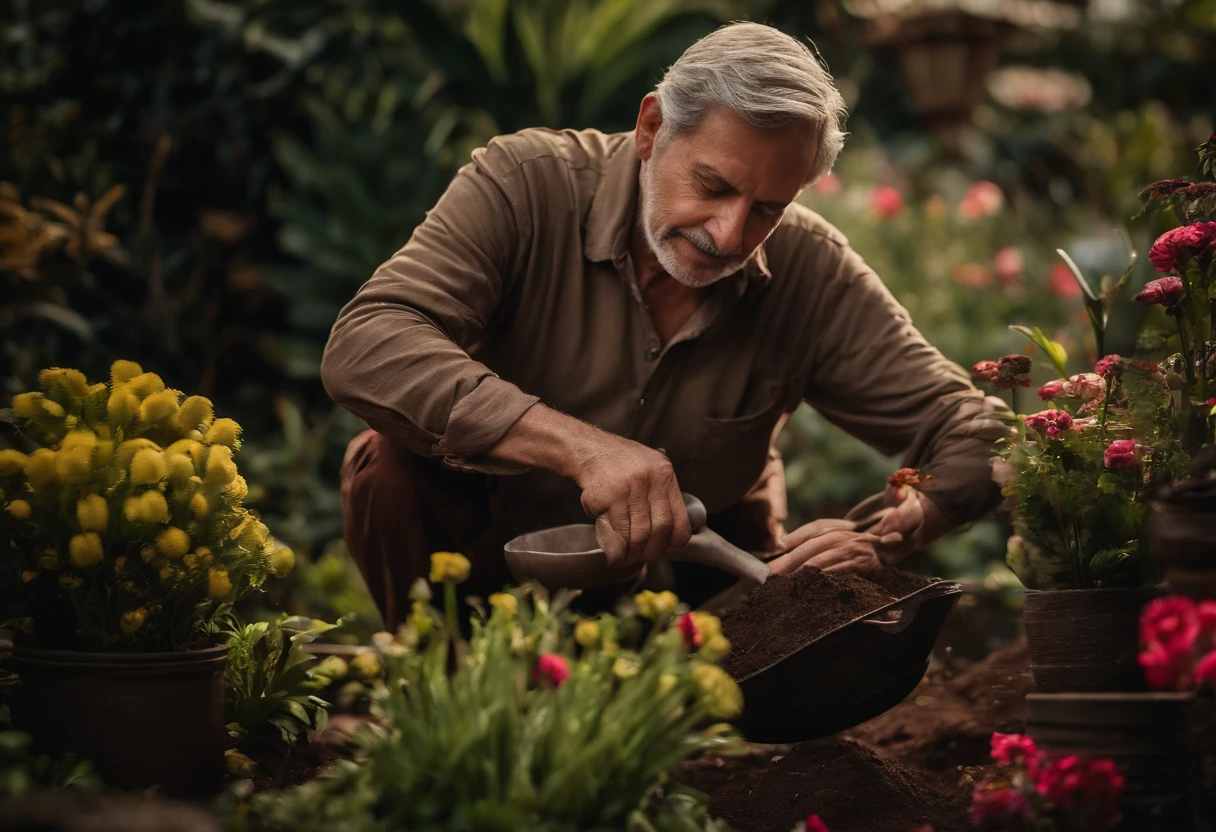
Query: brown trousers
399	507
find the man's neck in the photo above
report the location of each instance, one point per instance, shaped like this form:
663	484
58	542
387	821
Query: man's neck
669	302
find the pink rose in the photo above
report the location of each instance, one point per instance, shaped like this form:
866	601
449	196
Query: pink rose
983	199
690	631
886	202
1164	291
1052	389
551	670
1109	367
1120	455
1174	248
1000	805
1062	281
1009	263
1205	669
1172	621
1050	422
815	824
1015	749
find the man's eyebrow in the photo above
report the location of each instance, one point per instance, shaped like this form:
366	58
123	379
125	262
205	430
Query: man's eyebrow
711	178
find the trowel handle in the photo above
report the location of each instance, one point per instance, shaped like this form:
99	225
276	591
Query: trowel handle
710	548
696	512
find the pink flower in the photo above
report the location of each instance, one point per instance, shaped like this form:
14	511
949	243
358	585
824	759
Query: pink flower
1084	423
1165	669
1172	621
1147	366
1061	782
886	202
1205	611
985	371
1051	389
1109	367
829	184
1005	373
1015	749
1062	281
1001	805
1050	422
972	275
815	824
551	670
690	631
983	199
1205	669
1087	386
1120	455
1164	291
1009	262
1212	402
1174	248
1164	188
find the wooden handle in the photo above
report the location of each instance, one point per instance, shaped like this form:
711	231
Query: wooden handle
710	548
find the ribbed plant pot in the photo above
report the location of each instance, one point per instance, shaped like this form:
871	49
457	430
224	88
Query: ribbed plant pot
1181	529
143	719
1085	640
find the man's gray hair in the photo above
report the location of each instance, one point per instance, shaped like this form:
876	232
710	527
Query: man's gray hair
765	76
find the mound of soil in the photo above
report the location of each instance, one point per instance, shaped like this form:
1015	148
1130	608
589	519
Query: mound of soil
789	611
851	788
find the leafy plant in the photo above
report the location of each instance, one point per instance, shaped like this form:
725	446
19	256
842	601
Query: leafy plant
21	771
538	721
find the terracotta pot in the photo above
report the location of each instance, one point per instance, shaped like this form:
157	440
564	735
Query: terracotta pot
1181	529
1085	640
1158	741
143	719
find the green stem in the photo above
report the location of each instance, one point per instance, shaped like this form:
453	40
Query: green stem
1187	358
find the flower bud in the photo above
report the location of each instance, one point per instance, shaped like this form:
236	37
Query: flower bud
181	468
173	543
158	407
123	371
367	665
449	566
121	406
220	468
722	696
282	561
218	584
224	432
506	602
587	634
40	469
19	509
92	513
148	467
194	411
12	462
85	550
198	506
145	384
133	620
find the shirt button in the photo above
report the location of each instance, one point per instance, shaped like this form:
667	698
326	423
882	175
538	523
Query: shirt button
641	402
652	353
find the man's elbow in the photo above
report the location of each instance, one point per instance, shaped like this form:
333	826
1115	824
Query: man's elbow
335	370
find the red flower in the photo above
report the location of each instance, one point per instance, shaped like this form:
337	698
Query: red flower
1052	389
1164	291
1009	262
1050	422
1205	669
1016	749
1174	249
551	669
1062	281
1165	669
1109	367
983	199
690	631
814	824
1164	188
1120	455
904	477
1005	373
886	202
1172	621
1001	805
985	371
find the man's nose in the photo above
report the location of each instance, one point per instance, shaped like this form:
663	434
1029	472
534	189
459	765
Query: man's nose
727	225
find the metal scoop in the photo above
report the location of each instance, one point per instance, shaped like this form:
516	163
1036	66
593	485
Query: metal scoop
571	557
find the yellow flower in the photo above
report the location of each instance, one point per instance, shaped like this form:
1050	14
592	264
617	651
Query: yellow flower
48	559
132	620
148	467
666	682
86	550
127	450
28	575
28	405
70	381
145	384
707	625
203	556
224	432
723	698
449	566
656	605
52	409
173	543
92	513
506	602
238	489
218	584
420	618
149	507
195	411
220	468
12	462
190	447
159	406
238	765
104	452
122	405
75	465
282	561
167	572
331	667
123	371
587	633
367	665
198	506
181	467
40	469
626	668
19	509
715	647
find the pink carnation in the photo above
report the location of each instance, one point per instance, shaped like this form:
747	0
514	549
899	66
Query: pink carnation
999	805
551	670
1070	782
1052	389
1164	291
1120	455
1172	620
1174	248
1005	373
983	199
690	631
1015	749
886	202
1087	386
1050	422
1109	367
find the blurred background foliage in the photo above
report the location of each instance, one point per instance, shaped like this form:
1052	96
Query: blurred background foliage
200	186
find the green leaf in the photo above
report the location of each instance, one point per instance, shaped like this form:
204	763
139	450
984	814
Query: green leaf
1054	351
1076	273
1108	483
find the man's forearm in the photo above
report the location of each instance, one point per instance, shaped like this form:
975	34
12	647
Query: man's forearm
546	439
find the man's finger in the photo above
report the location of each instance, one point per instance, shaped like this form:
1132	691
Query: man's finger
660	531
639	528
816	546
610	540
802	534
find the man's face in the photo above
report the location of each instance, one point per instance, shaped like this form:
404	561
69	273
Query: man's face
710	196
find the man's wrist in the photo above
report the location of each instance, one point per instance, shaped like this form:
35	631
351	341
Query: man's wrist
546	439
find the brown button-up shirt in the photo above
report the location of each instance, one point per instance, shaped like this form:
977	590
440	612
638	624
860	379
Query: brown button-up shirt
518	287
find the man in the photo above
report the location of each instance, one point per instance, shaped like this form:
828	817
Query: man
587	324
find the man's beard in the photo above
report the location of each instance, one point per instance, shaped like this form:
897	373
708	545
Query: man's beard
663	245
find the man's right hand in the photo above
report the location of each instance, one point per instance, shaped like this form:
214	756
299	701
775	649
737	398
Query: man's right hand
628	488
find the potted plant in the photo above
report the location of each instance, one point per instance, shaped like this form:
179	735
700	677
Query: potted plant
123	543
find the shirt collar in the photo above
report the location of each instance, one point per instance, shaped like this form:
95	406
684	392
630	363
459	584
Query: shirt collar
611	216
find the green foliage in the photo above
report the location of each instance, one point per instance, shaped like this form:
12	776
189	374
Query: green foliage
22	772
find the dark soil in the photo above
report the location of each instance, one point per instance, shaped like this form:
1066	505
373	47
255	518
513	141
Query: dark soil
789	611
899	583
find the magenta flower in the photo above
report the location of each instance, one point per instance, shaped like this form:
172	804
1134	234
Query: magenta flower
983	199
1164	291
1205	669
886	202
1120	455
1050	422
1005	373
1174	249
690	631
815	824
1052	389
551	670
999	805
1109	367
1015	749
1172	621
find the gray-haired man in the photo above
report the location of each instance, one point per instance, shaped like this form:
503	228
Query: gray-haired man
587	324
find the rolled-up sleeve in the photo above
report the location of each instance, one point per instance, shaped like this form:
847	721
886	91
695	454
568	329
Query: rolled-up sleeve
398	354
876	377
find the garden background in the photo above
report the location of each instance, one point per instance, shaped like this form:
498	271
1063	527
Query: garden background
227	174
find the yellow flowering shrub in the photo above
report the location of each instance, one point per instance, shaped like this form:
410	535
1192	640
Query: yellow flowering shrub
122	511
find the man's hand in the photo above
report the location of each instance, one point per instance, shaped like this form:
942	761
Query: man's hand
832	545
629	489
915	518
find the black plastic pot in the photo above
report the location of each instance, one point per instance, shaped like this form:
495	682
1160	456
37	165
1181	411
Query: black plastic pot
1085	640
143	719
1181	529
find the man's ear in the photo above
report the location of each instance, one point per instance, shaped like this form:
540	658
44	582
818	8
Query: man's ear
650	119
